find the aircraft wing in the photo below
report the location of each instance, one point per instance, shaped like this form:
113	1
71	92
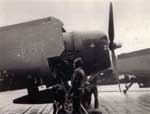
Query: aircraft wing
135	63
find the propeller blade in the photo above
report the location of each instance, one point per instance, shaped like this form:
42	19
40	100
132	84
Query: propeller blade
115	68
111	24
112	45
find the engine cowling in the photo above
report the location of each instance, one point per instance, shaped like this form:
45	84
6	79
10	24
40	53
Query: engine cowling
91	46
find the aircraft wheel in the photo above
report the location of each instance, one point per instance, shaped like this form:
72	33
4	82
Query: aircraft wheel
68	106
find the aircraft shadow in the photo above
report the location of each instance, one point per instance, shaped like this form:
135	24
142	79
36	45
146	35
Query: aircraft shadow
41	97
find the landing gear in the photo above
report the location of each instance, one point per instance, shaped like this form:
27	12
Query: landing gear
68	105
141	81
127	87
131	82
144	82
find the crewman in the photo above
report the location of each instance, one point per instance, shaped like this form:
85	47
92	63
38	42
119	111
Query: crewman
6	79
78	79
60	73
59	98
32	87
131	81
89	89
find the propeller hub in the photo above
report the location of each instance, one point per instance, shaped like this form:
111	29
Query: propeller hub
113	46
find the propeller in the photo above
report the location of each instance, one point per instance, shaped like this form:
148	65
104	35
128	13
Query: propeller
112	45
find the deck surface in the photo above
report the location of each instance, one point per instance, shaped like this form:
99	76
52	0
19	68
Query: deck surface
137	101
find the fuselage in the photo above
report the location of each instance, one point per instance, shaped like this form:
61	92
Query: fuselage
25	48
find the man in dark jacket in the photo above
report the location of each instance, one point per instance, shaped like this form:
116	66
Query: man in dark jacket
78	79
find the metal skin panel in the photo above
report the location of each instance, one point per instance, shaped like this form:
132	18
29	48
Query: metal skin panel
27	46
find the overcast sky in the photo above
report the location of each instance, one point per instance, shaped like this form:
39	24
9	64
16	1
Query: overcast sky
132	17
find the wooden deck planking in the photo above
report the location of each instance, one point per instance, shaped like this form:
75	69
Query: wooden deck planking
116	103
22	110
16	109
48	109
110	103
